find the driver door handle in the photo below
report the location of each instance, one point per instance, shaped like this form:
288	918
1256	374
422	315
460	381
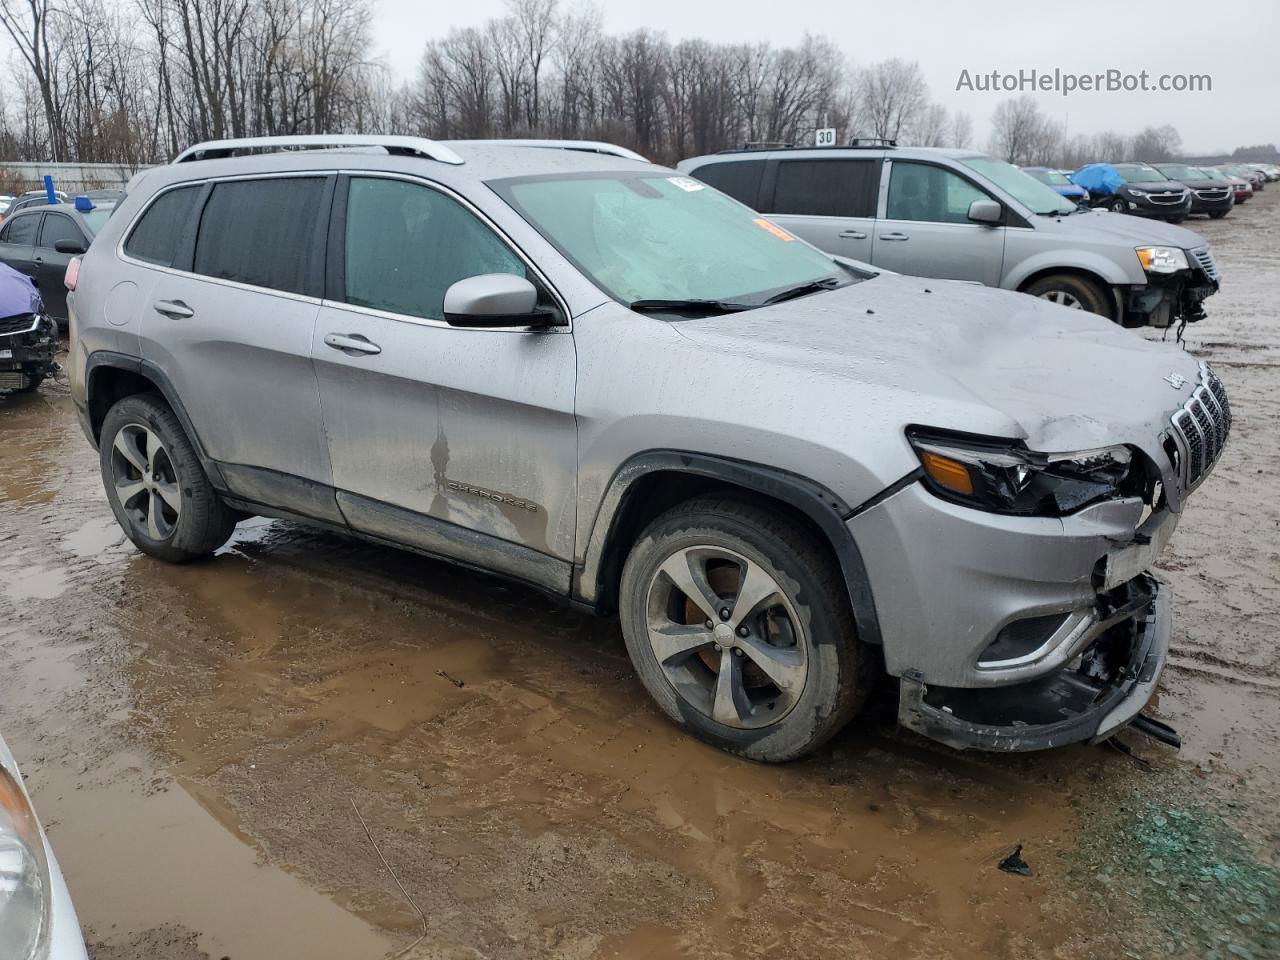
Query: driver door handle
852	235
894	236
351	343
173	309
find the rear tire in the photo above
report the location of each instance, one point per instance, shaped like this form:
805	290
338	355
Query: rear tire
155	484
1070	290
771	682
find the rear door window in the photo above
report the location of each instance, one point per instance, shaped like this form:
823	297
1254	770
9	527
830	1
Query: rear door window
838	187
921	191
406	244
262	232
740	179
155	237
58	226
21	229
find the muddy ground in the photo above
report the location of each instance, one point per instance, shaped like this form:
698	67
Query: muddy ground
310	747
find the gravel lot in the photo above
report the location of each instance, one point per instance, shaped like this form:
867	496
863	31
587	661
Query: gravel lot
249	758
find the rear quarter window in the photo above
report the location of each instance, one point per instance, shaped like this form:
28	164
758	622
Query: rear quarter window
155	237
261	232
740	179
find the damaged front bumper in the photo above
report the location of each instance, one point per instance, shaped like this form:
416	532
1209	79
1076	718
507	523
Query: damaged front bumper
1168	299
1099	691
27	348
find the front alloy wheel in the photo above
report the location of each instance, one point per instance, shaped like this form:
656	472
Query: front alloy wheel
739	626
726	637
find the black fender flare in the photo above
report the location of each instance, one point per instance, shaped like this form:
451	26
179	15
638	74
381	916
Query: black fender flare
824	508
110	359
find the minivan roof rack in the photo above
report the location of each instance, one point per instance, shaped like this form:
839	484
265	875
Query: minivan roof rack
402	146
584	146
857	143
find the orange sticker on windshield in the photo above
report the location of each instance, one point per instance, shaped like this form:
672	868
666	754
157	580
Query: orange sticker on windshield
773	228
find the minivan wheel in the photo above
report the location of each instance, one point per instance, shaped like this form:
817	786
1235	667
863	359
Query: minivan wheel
740	629
156	487
1069	290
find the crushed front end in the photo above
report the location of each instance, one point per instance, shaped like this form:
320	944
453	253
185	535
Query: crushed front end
1176	297
28	343
1012	588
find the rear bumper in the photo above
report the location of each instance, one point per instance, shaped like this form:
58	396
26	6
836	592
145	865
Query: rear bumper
1101	690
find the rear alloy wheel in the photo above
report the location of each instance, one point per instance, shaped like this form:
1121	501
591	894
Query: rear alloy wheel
1069	290
740	630
155	484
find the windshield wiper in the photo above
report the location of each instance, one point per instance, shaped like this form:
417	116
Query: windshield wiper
702	306
800	290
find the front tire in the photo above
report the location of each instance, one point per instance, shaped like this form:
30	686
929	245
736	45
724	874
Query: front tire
1069	290
1218	214
155	484
1117	205
740	629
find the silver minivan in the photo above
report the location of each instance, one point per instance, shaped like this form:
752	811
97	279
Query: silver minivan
961	215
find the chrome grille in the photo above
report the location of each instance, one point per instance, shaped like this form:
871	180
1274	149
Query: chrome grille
1203	424
1215	194
21	323
1204	257
1169	196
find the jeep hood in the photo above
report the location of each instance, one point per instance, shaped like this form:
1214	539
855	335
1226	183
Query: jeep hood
964	357
1138	231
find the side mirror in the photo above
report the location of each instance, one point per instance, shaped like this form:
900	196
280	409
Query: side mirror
986	211
494	300
68	246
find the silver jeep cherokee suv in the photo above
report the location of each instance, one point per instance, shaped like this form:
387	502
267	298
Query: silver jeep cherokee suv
961	215
786	474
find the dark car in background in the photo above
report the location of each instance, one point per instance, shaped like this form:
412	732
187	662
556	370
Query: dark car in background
1060	182
40	241
1257	179
1211	196
32	198
1138	189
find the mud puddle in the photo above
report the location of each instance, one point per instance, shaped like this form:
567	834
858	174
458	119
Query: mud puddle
210	743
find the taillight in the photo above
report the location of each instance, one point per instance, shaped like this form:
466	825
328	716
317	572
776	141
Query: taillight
73	273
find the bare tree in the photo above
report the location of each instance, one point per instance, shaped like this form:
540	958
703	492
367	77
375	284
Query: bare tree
890	97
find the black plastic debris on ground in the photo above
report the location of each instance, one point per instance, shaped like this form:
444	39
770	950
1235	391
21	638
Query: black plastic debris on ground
1014	863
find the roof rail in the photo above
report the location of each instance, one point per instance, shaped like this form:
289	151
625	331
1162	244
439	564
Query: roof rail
584	146
402	146
872	142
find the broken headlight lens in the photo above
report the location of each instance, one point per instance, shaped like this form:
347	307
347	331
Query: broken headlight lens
1162	259
1003	477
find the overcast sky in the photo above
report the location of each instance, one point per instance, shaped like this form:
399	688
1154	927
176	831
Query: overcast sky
1235	43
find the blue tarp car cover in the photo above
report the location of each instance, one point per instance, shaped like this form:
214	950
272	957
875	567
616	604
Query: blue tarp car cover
1098	179
18	293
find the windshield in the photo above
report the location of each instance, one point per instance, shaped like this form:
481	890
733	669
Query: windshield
1180	171
1052	177
649	236
1023	187
1139	173
1211	173
97	218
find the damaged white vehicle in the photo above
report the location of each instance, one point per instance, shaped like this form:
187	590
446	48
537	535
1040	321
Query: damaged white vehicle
620	386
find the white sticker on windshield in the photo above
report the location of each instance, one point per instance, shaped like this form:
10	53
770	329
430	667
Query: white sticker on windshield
686	184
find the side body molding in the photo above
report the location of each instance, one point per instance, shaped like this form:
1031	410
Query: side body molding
815	501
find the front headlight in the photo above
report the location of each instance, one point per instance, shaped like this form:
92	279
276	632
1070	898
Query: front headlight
24	875
1004	477
1162	259
1135	193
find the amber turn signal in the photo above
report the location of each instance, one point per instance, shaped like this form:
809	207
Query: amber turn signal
948	473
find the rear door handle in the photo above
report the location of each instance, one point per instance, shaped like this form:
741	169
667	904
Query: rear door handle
894	236
852	235
173	309
351	343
